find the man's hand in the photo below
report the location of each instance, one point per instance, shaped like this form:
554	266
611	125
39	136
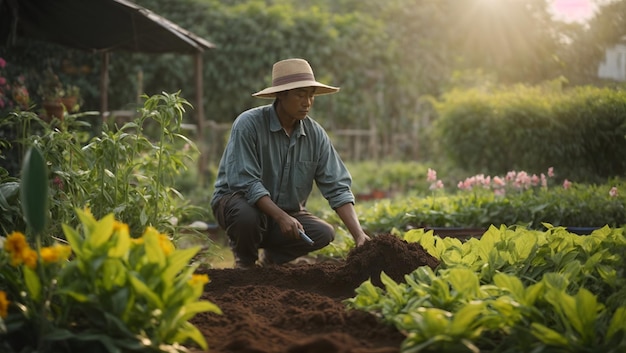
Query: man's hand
348	216
289	226
361	239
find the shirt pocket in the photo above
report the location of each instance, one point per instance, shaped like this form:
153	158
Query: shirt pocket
303	178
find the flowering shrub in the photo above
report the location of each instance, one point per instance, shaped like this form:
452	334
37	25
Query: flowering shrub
103	290
13	93
512	181
435	183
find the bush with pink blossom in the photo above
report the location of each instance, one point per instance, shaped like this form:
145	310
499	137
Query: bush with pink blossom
13	92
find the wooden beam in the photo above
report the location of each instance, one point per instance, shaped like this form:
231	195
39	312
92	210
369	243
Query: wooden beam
200	117
104	85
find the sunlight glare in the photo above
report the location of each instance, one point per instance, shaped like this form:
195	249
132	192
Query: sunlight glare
573	10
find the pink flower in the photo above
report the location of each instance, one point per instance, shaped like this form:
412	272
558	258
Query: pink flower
510	176
58	182
522	180
566	184
466	184
436	185
487	182
3	63
613	192
551	172
432	175
499	181
534	180
21	96
3	81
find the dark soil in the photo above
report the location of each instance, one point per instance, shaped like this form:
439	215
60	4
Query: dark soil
299	308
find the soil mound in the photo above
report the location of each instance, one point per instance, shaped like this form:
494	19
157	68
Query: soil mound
299	308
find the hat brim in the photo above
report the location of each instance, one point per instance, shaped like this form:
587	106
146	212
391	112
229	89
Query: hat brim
320	89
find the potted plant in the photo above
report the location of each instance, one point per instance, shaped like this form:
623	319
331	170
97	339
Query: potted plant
51	91
70	98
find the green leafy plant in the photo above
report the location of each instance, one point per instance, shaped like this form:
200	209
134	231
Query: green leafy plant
129	171
51	88
512	290
103	291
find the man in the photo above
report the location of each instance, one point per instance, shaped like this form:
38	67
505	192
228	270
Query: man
274	154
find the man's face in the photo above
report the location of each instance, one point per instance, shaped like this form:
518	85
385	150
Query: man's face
297	103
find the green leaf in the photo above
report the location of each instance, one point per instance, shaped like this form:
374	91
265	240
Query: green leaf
87	219
102	232
585	313
367	296
113	273
465	282
465	322
121	245
178	260
512	284
392	288
555	281
434	321
548	335
143	291
34	190
189	331
79	297
154	253
191	309
427	241
33	283
74	238
618	323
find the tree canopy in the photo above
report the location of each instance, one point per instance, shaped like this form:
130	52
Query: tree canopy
385	55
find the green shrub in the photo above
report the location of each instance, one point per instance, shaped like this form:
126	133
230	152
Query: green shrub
104	290
580	131
512	290
121	171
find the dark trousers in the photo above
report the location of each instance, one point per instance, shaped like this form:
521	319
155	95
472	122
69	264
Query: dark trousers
248	229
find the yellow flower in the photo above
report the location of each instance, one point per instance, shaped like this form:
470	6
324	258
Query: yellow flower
120	227
29	256
137	241
20	251
56	253
166	244
15	243
198	279
4	304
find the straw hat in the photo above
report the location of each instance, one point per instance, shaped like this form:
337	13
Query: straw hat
293	73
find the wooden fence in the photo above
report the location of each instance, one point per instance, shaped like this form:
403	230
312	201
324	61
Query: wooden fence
352	144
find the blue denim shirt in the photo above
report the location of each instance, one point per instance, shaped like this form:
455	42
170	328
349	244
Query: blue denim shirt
261	159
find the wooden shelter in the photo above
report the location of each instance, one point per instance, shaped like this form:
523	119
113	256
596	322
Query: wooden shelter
103	26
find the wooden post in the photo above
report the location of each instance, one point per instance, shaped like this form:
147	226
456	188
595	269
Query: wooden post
104	85
200	117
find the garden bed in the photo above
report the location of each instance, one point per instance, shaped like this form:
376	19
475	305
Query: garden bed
300	308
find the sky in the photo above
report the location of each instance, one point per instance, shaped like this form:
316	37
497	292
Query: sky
573	10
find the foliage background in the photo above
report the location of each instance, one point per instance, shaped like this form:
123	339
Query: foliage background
390	58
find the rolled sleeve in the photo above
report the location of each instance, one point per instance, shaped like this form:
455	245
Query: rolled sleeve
333	178
240	170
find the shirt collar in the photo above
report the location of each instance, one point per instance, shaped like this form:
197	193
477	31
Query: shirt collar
275	123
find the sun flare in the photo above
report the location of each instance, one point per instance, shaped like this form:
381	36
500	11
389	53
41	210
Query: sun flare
573	10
